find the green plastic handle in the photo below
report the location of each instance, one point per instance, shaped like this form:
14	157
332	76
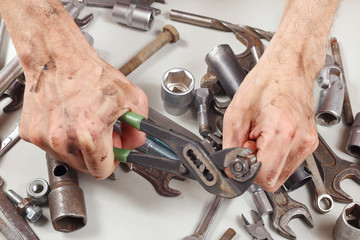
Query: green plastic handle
121	154
132	119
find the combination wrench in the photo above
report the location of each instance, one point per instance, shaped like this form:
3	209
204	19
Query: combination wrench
323	201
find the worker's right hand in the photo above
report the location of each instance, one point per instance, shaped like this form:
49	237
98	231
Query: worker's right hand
71	103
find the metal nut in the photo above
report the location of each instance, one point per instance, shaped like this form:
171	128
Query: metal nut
38	190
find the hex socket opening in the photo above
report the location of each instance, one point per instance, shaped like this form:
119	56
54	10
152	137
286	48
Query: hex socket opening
69	224
178	81
326	118
354	150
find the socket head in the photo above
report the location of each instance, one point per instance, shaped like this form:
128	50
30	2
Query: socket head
175	36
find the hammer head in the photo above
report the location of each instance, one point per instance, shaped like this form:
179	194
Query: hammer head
175	36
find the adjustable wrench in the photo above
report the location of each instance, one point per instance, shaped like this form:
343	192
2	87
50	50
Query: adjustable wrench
285	209
335	170
321	195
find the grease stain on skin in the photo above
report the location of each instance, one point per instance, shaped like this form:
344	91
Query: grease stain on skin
50	65
270	177
51	12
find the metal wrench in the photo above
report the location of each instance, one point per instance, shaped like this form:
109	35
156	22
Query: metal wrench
10	140
19	223
208	217
285	209
335	170
323	201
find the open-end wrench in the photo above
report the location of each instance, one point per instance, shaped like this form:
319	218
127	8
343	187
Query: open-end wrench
284	210
323	201
206	220
17	221
10	140
334	170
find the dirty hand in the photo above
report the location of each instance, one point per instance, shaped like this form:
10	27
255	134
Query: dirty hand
72	97
70	109
274	116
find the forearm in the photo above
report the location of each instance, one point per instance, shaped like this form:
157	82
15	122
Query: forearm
302	35
42	31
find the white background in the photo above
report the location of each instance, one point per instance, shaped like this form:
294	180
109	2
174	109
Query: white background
129	208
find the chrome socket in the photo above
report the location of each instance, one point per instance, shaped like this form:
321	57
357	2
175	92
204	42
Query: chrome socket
347	226
38	190
177	90
331	98
353	144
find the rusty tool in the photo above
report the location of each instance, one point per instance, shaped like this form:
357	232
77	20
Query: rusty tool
348	224
285	209
169	35
206	220
348	114
334	170
257	229
17	221
66	198
323	201
214	23
228	235
227	173
16	93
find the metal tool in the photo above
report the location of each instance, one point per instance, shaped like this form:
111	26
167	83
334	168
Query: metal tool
257	230
210	81
213	23
2	32
177	90
348	115
206	220
353	144
348	224
227	173
331	97
10	140
298	179
10	73
17	221
74	8
66	198
323	201
25	206
16	93
260	199
136	13
285	209
228	235
170	34
202	100
335	170
38	190
222	61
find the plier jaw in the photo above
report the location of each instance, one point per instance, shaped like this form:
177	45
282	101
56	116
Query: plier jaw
194	161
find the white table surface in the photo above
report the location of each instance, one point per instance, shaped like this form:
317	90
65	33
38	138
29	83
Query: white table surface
129	208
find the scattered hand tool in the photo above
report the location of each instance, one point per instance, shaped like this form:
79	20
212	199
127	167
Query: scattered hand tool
260	199
285	209
335	170
228	235
16	93
257	230
208	217
202	100
331	97
348	224
17	221
10	73
299	178
227	173
213	23
170	34
10	140
348	115
353	144
323	201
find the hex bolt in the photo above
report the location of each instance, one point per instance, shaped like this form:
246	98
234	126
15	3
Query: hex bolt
202	100
24	206
170	34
